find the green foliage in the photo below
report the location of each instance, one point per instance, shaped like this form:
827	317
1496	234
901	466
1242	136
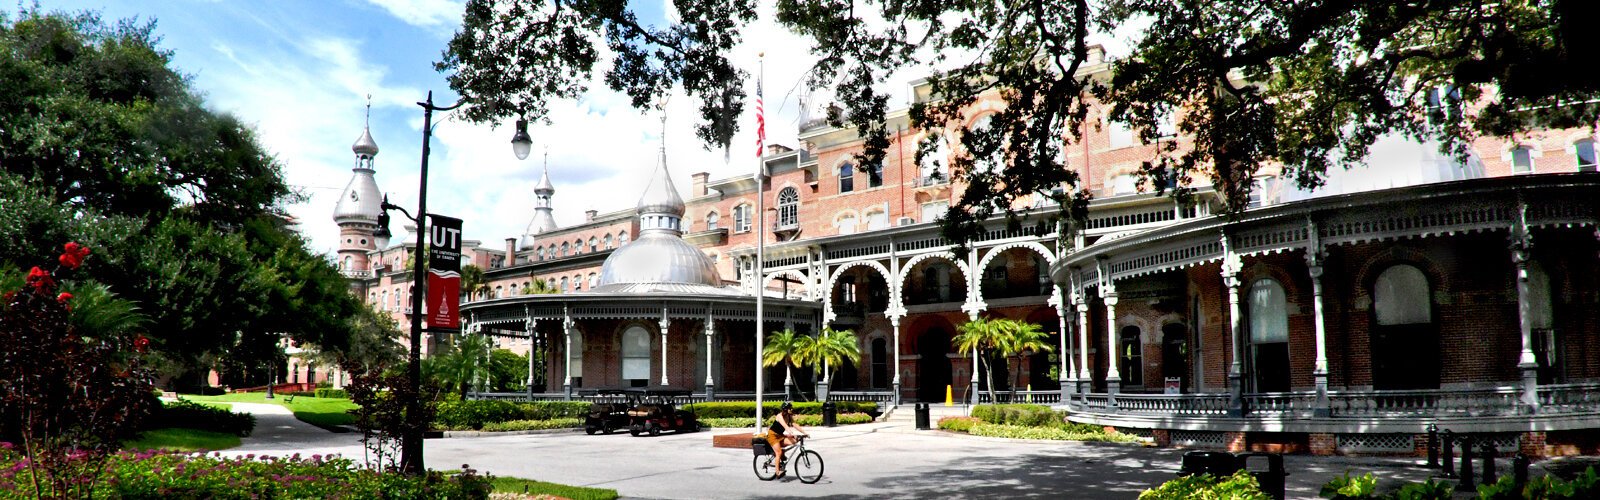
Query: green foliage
182	439
1586	485
533	425
508	371
958	424
1050	433
831	349
173	475
1019	414
547	410
330	392
460	364
1362	486
473	282
191	415
519	486
1239	486
786	348
474	413
801	419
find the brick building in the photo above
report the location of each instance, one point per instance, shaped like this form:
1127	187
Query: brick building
1417	290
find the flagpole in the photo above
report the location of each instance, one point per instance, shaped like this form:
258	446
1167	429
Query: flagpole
761	233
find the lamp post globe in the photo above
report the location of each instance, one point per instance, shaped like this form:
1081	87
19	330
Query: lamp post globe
521	143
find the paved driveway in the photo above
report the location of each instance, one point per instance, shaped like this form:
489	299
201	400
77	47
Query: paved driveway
866	461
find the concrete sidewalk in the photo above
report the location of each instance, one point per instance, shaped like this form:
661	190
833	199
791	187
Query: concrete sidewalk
279	433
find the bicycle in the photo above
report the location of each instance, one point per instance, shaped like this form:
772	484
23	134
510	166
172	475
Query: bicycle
804	463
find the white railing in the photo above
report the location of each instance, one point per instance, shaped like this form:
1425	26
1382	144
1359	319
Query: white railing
1426	403
1021	397
883	398
1494	401
1173	404
1569	398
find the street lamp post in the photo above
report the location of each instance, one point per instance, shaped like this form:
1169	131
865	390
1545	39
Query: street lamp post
411	439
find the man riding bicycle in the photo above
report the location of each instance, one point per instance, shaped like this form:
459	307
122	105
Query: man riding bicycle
784	432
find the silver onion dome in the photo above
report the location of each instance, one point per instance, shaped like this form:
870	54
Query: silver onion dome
365	146
659	260
359	200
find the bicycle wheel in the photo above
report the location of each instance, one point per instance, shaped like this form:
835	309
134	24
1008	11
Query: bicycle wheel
765	470
808	466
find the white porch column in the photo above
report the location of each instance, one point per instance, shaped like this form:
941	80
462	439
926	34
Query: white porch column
1231	265
1108	292
1314	257
972	387
532	327
711	349
567	330
664	324
1085	377
1521	247
894	322
1064	370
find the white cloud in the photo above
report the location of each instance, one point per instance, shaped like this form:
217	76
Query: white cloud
424	13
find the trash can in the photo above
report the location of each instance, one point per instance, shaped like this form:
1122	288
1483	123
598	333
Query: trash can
922	417
830	415
1215	463
1272	477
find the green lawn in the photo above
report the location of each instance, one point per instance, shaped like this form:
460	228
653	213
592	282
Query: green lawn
315	411
519	485
182	440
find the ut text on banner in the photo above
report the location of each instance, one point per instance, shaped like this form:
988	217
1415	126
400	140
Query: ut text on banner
444	273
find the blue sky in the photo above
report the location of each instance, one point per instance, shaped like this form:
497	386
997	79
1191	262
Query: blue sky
300	71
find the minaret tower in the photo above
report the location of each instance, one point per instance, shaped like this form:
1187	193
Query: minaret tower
544	219
358	208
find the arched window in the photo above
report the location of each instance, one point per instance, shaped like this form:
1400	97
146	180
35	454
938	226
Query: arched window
1583	150
575	357
498	292
788	207
1131	364
383	301
935	167
348	263
1522	160
564	249
577	246
741	218
594	244
1405	342
877	218
1269	336
880	364
577	283
397	300
622	238
711	221
563	284
875	175
607	240
1401	297
636	355
594	279
847	178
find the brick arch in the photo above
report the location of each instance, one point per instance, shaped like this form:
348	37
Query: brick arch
805	281
1368	271
966	273
1049	256
1258	270
833	279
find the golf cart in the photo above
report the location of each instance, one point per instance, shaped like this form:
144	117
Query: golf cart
657	412
609	411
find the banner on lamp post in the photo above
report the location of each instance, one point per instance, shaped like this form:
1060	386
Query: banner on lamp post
444	273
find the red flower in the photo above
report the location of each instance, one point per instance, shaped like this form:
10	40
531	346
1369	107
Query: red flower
40	279
141	343
64	297
73	255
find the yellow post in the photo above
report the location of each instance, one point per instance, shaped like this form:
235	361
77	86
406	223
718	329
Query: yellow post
1030	392
949	400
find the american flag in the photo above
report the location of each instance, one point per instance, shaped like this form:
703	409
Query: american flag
761	123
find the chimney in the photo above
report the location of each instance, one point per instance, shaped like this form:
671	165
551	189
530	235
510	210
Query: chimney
697	187
588	215
1097	55
511	252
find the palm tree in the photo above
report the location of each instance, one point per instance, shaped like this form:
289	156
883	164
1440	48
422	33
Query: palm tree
1021	338
98	312
980	336
464	363
833	348
473	282
787	348
539	287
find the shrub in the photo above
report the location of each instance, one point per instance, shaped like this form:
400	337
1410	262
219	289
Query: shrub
958	424
1051	433
473	414
191	415
1240	486
1019	414
328	392
547	410
804	420
171	475
531	425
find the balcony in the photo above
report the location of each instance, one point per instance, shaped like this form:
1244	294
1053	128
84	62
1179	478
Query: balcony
849	314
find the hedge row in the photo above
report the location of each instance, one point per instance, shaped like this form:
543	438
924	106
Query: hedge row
191	415
1049	433
958	424
1019	414
1239	486
533	425
326	392
747	409
477	414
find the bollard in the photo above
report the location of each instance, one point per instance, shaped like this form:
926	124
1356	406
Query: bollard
1488	462
1519	470
1272	479
1467	481
1433	446
1449	454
